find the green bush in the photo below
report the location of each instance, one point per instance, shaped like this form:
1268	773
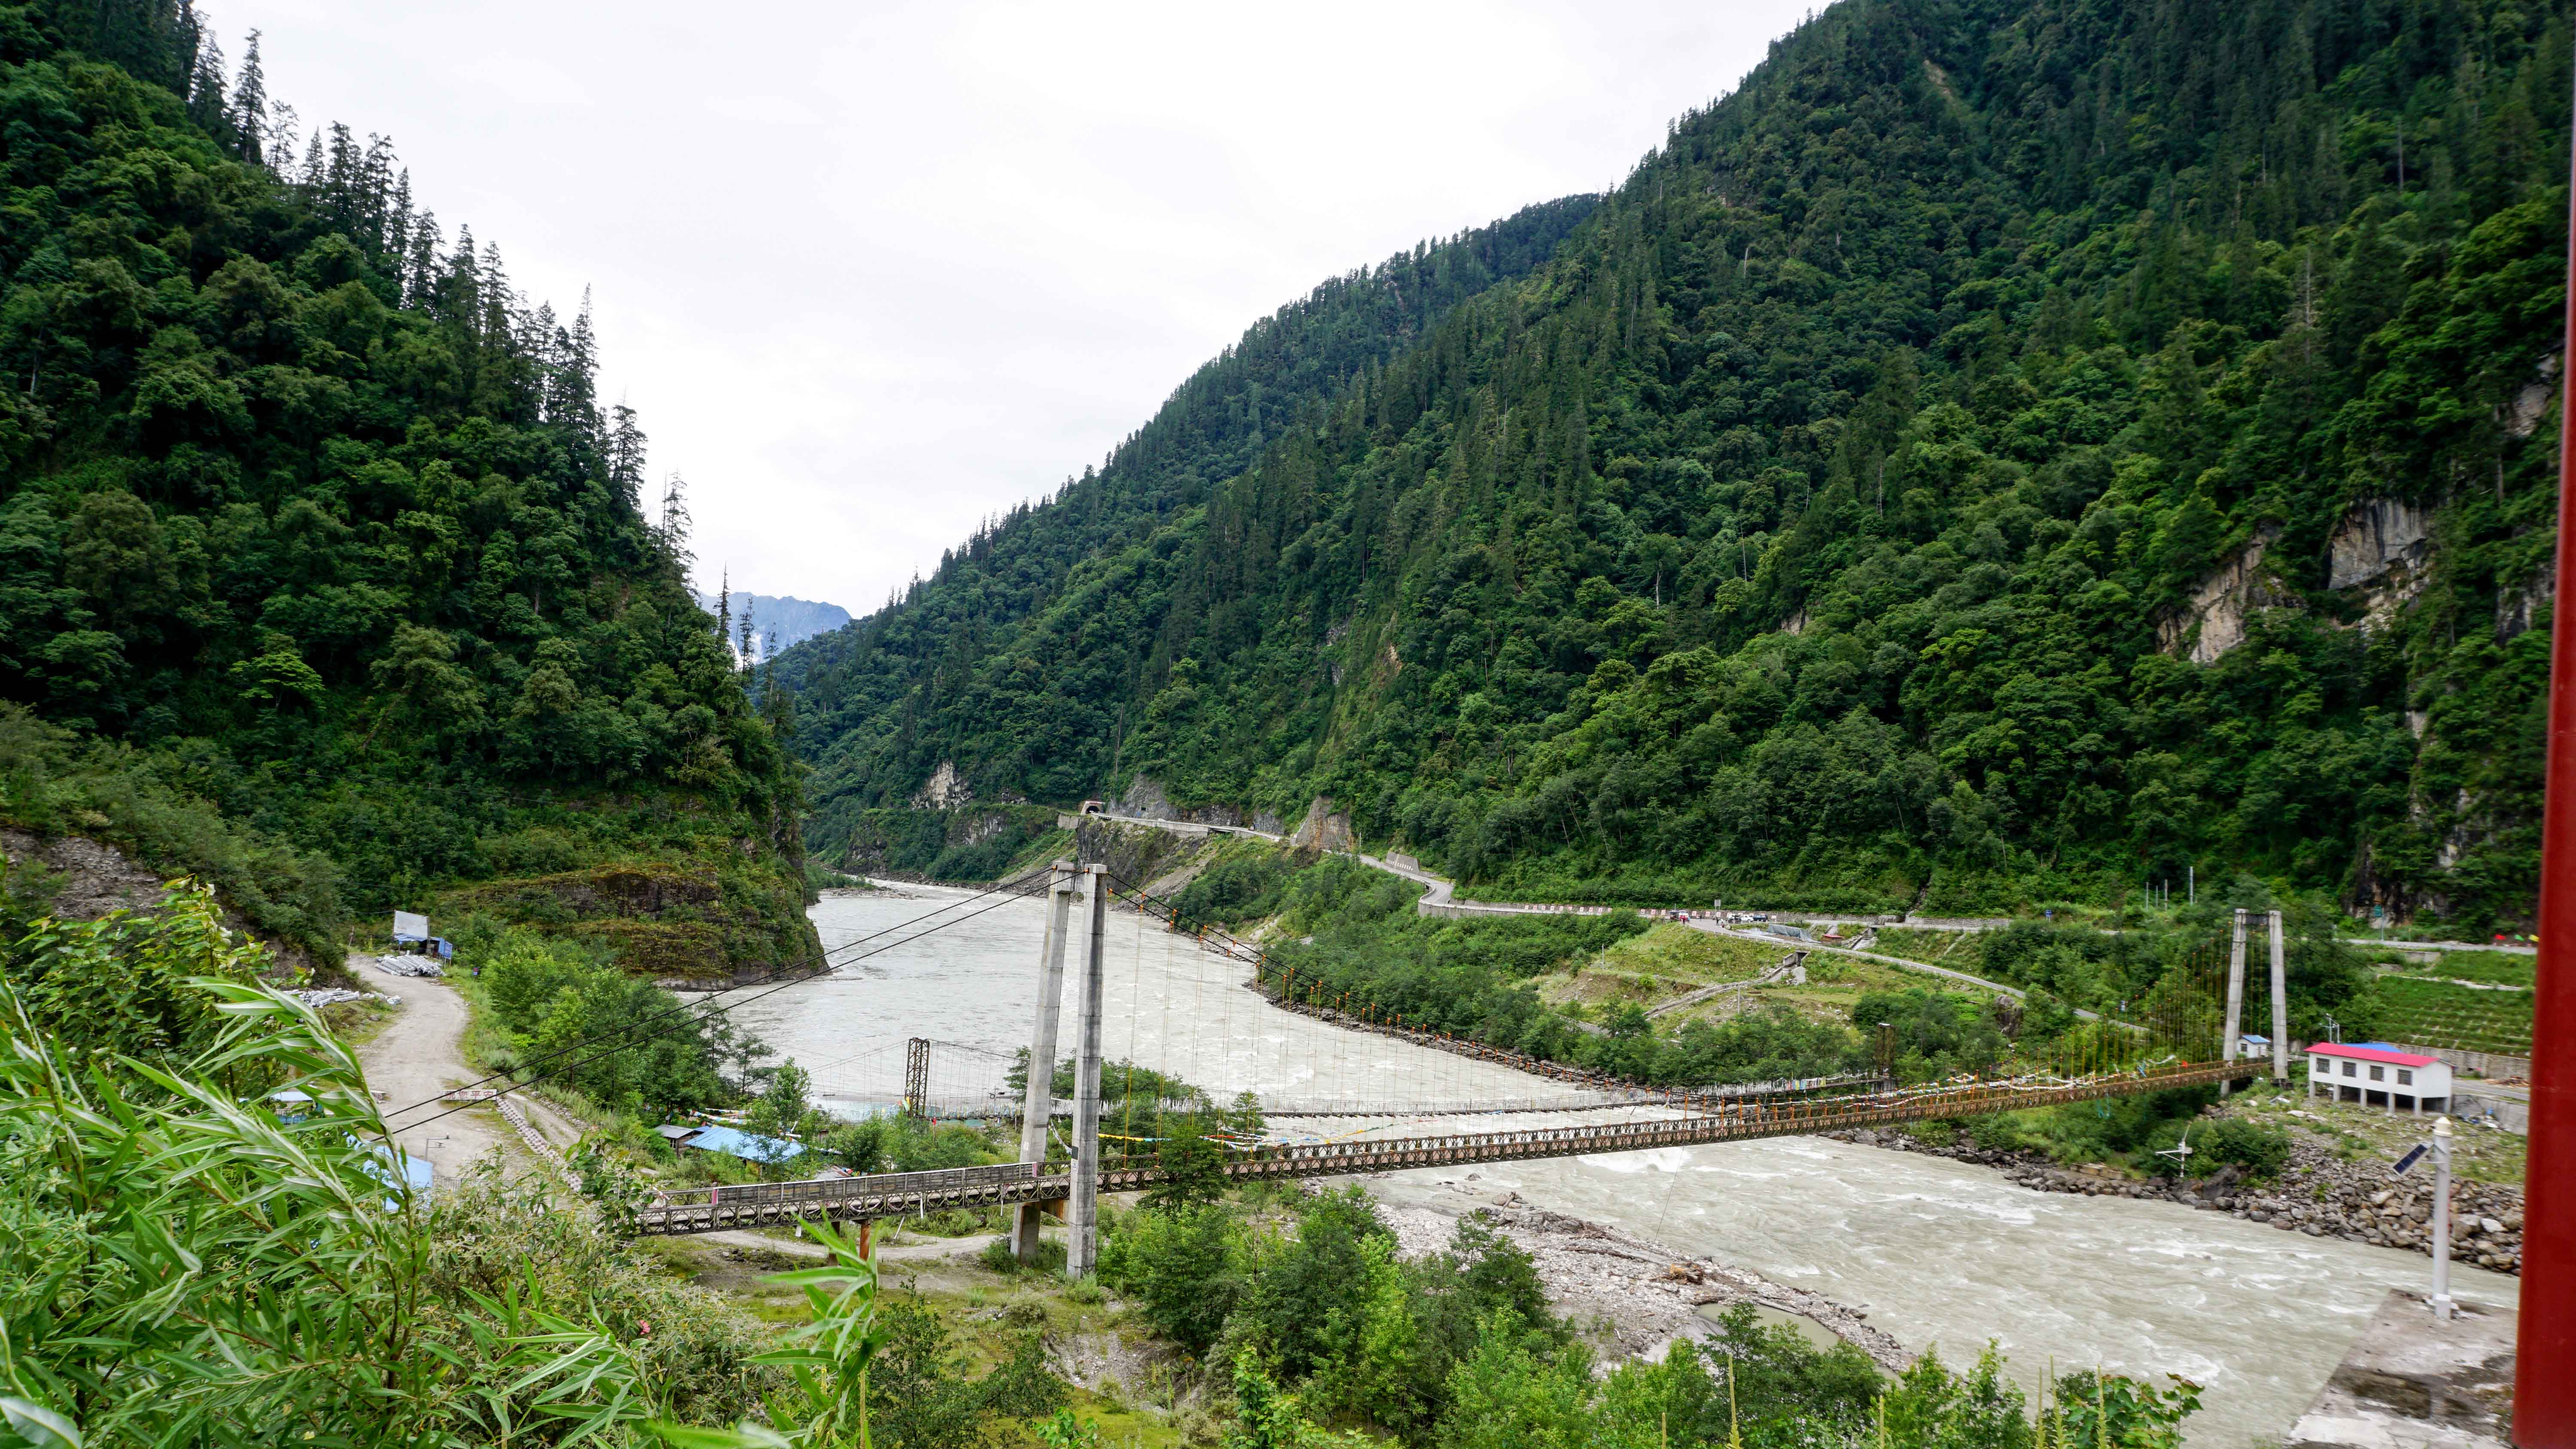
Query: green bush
559	1000
1184	1267
2257	1149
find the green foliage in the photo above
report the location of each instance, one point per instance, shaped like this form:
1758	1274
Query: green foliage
56	783
323	557
1240	887
1834	518
1460	1350
785	1107
867	1367
115	1207
1187	1151
1764	1387
1938	1033
184	1265
1372	1338
2491	968
2254	1148
1184	1267
557	1000
128	987
2125	1130
1266	1417
2096	1408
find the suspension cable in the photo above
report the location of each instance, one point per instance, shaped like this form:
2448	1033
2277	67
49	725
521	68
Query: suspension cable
692	1022
796	974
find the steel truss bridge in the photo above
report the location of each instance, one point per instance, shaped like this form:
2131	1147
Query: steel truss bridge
891	1195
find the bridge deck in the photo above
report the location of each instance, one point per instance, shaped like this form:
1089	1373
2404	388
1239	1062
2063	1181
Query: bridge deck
891	1195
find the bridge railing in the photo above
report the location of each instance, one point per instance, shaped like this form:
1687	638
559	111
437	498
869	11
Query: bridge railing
826	1191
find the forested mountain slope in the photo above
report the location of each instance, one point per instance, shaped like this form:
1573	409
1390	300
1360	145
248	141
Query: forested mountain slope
861	689
325	574
2007	451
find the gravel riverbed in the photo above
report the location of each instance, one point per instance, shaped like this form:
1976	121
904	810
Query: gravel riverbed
1632	1296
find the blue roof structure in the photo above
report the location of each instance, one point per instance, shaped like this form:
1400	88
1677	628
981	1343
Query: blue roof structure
749	1146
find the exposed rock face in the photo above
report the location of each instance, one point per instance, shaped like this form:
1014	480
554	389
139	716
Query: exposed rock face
1146	799
1143	799
2214	620
2379	534
1324	829
86	879
2383	547
2530	404
2517	604
945	790
94	879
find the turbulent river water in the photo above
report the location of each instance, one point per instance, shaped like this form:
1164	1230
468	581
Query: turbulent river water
1942	1254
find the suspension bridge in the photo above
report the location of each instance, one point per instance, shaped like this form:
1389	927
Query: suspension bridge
2183	1047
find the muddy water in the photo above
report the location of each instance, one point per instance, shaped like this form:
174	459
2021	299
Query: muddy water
1943	1254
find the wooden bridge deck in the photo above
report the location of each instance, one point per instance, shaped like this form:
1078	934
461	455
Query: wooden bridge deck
892	1195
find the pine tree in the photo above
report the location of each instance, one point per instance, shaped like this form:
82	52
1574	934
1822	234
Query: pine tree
208	106
420	287
398	224
250	105
626	457
671	530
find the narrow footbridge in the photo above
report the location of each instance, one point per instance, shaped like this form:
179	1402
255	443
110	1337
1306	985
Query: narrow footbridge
892	1195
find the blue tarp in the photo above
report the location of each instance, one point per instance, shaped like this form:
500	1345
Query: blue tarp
416	1171
749	1146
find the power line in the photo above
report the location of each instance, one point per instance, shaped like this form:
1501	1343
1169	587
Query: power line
801	975
634	1026
719	1011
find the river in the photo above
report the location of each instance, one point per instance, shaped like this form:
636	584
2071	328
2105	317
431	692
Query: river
1942	1254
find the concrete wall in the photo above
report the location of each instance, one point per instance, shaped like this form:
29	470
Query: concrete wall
2511	1113
2485	1064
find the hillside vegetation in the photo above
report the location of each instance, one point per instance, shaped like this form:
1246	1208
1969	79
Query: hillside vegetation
2006	451
319	550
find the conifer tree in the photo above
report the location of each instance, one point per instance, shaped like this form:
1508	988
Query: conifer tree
625	456
250	104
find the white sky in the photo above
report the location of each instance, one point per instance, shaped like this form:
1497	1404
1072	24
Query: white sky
870	272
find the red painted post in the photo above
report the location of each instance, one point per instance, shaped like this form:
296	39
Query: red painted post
2544	1389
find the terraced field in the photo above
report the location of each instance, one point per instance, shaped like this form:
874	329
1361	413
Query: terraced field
2439	1013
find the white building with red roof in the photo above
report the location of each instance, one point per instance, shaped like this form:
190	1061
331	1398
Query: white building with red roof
2375	1074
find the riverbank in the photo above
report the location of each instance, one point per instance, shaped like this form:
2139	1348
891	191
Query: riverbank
1630	1296
2321	1192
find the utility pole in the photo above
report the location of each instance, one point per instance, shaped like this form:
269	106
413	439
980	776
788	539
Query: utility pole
1084	1250
2280	1007
2443	1307
2235	999
1037	1099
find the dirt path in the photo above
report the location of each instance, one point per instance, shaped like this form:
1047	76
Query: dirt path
420	1055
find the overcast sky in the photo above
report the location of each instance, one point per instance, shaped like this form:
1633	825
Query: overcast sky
870	272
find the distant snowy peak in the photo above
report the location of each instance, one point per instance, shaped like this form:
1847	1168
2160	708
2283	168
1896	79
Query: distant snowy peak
776	622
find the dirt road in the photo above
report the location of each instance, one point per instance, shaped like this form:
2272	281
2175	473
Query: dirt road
420	1055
